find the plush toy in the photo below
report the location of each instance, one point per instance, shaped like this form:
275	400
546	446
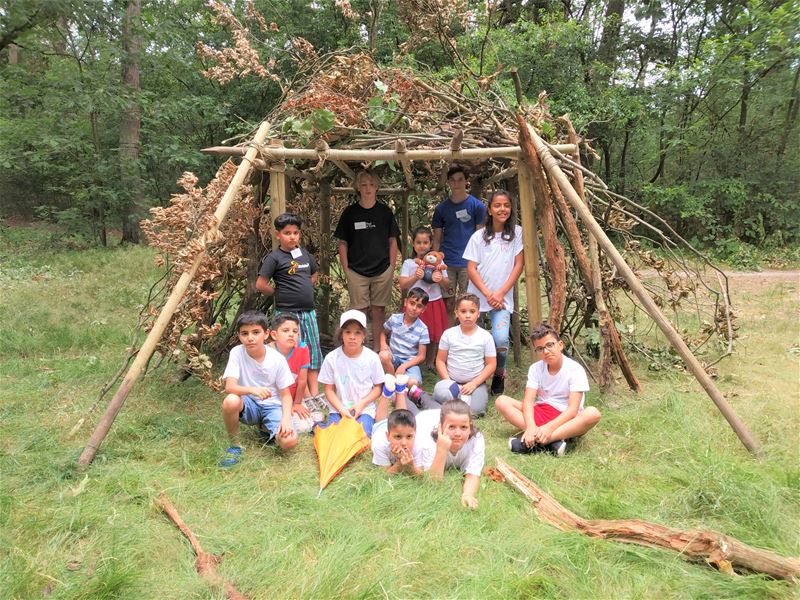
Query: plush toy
433	261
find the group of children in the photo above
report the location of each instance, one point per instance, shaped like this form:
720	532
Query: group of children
272	378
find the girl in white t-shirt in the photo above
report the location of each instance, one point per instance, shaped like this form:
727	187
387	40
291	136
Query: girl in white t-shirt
413	276
458	444
494	264
466	359
352	374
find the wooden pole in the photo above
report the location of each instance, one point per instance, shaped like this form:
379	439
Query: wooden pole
336	154
405	226
324	254
324	257
530	249
277	189
533	141
516	337
149	345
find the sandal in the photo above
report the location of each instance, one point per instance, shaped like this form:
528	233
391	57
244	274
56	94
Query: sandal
232	457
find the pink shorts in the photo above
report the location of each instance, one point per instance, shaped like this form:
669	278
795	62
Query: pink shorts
544	413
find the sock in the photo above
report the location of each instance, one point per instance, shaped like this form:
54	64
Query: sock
400	383
388	386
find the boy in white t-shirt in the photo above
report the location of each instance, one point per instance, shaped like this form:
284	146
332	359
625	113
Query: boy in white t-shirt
396	447
257	381
552	410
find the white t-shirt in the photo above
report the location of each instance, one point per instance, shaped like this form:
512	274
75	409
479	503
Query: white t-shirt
433	290
495	261
555	389
469	459
354	378
273	372
421	453
466	353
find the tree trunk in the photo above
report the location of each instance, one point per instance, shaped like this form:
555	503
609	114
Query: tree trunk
130	124
791	113
13	54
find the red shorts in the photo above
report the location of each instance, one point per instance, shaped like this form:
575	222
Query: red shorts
435	317
544	413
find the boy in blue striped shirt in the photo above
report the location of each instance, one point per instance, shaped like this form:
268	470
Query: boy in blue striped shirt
405	339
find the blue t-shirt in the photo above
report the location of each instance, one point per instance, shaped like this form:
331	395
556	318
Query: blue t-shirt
404	340
457	222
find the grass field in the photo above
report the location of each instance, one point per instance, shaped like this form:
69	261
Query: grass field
665	456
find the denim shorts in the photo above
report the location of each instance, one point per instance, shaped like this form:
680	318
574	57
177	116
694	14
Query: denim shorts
255	413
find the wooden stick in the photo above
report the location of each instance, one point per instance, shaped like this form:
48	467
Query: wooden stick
531	140
149	344
402	151
206	563
717	549
277	154
530	248
277	200
324	254
344	168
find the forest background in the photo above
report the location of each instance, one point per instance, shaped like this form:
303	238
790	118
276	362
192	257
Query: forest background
691	106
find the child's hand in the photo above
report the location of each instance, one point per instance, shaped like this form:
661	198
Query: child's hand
401	370
443	440
285	429
469	501
529	437
261	392
300	410
419	273
347	413
437	276
356	411
467	388
544	434
404	456
495	300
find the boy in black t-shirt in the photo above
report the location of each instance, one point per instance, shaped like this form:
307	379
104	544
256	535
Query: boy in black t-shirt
367	233
294	272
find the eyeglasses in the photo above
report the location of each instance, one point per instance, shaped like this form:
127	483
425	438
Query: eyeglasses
547	346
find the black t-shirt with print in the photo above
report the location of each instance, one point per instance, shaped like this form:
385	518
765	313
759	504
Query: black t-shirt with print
367	232
292	275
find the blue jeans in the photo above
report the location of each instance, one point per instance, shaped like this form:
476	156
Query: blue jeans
501	327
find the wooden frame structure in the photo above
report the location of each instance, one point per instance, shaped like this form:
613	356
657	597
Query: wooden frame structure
535	163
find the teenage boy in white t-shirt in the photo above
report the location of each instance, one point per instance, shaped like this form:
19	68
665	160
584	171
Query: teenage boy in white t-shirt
552	410
257	381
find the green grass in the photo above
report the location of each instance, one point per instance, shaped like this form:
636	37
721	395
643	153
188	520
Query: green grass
665	456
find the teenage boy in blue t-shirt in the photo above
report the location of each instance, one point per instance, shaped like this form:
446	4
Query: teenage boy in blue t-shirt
455	219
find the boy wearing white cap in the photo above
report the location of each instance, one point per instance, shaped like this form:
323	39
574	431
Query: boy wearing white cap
352	374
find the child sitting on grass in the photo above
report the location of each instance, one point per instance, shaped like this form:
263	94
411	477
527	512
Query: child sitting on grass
408	338
396	447
257	382
552	409
466	359
285	336
352	374
458	444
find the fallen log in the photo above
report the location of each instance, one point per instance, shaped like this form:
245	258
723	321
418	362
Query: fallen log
717	549
205	563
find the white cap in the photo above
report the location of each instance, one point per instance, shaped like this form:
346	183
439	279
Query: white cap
353	315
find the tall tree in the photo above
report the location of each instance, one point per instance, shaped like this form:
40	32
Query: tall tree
130	123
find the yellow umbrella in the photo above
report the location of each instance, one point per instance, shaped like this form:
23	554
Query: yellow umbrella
336	444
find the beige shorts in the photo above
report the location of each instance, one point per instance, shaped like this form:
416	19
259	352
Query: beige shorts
457	277
370	291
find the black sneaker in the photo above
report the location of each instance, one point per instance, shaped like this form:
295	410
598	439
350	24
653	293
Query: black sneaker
498	383
557	448
517	446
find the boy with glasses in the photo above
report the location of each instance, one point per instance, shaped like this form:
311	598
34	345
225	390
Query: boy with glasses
552	410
